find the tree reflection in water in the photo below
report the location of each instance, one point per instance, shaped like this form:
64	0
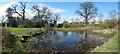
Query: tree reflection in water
46	41
66	41
65	33
85	44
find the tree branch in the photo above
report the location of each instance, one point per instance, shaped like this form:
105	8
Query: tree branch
19	14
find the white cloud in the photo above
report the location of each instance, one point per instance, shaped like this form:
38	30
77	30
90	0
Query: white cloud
54	10
3	8
29	13
57	10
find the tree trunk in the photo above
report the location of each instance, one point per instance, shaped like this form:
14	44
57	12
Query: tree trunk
86	20
24	17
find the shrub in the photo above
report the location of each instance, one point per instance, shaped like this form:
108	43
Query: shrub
8	40
28	24
11	43
32	40
20	47
77	24
60	25
66	25
108	24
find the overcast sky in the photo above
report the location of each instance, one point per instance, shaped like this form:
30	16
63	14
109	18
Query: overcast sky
65	9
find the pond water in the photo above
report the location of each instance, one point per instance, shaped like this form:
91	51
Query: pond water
67	41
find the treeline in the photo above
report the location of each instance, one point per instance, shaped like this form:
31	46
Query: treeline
43	17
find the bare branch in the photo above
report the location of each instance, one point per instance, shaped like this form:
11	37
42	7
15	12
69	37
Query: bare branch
2	20
79	13
87	10
15	11
18	14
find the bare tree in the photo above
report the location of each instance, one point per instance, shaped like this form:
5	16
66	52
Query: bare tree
72	20
22	14
56	18
37	10
77	19
2	19
100	17
42	12
87	10
9	16
113	15
35	18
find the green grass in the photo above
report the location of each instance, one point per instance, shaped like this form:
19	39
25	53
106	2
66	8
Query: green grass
110	46
23	31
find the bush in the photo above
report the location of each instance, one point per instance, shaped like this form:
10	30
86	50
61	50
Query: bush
32	40
108	24
11	43
28	24
8	40
66	26
60	25
20	47
73	25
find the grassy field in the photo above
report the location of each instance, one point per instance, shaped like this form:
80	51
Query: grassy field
23	31
110	46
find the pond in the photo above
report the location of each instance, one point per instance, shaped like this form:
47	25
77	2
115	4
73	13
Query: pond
67	41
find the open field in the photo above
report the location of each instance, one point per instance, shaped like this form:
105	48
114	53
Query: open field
23	31
14	30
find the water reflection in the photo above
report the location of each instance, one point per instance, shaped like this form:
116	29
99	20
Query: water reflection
65	33
66	41
85	44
